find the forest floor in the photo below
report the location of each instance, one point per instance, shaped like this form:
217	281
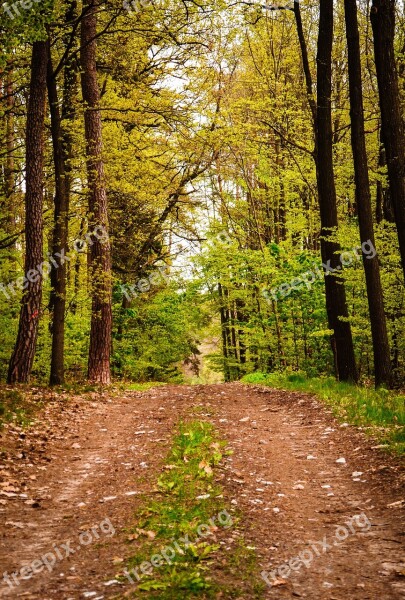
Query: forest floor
73	483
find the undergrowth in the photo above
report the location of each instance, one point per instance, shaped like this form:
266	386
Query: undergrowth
16	407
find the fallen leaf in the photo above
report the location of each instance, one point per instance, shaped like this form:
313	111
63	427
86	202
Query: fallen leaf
32	503
398	504
278	582
150	534
205	467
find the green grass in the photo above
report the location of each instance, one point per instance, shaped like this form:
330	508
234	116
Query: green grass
188	496
379	412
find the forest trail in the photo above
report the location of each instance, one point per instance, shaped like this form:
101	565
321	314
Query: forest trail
80	479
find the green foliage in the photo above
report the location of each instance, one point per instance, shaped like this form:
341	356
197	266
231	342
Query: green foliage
153	337
248	276
8	326
263	188
214	142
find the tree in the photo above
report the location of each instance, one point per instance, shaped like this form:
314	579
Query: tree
304	58
336	305
382	367
231	148
57	301
382	18
62	153
23	356
100	254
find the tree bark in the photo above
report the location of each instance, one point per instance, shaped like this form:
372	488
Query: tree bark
381	349
224	325
57	301
62	152
100	252
383	197
382	18
241	318
336	305
304	58
22	359
9	175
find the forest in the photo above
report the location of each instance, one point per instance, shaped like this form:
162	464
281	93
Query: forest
202	299
179	173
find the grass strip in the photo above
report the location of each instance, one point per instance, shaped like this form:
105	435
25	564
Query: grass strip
182	536
380	413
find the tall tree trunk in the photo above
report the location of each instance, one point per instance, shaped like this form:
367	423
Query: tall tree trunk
70	84
23	356
62	152
100	252
378	323
382	17
383	197
241	318
9	175
57	302
304	58
336	305
224	325
76	270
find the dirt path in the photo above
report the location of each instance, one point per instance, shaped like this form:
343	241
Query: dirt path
81	473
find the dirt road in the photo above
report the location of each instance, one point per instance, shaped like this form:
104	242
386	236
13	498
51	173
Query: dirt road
306	486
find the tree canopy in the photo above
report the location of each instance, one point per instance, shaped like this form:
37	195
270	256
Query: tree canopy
202	174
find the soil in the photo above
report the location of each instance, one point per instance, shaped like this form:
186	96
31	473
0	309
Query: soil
73	482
